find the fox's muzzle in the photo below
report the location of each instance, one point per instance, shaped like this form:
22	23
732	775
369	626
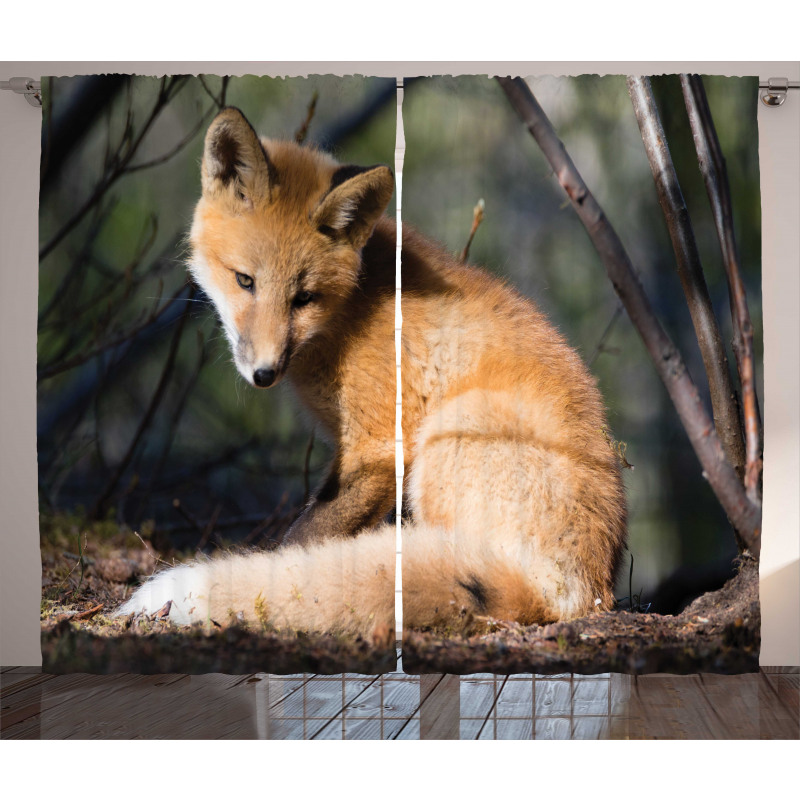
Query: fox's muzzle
270	373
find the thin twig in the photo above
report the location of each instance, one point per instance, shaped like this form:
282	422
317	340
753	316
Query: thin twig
88	614
156	557
144	423
690	272
302	131
76	267
744	515
118	166
57	367
267	522
259	520
188	516
715	175
191	473
202	79
155	162
115	307
209	527
307	469
219	100
177	415
64	457
161	264
477	218
600	348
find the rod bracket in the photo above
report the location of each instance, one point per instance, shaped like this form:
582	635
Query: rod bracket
28	87
775	91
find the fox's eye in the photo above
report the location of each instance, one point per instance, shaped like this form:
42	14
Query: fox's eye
302	299
245	281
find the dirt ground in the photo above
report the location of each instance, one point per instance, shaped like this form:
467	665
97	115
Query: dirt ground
718	632
88	572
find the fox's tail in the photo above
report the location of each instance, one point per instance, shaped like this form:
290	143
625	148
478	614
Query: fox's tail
454	584
338	586
450	583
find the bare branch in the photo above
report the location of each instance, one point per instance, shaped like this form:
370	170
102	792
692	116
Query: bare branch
266	527
744	515
307	469
690	272
177	414
147	418
102	213
272	524
208	529
59	366
226	457
188	516
202	79
118	164
302	131
155	162
715	175
131	279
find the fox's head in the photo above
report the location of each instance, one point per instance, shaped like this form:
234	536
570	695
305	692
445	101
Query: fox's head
276	240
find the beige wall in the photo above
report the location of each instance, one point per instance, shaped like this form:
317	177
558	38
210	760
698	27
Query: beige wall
779	131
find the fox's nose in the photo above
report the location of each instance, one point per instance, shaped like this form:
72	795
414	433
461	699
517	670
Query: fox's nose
264	377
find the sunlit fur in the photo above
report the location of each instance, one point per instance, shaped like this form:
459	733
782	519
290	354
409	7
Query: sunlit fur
272	238
516	496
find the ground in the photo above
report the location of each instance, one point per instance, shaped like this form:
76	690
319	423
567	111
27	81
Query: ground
718	632
88	571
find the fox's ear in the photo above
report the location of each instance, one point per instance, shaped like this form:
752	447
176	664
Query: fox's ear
357	198
234	160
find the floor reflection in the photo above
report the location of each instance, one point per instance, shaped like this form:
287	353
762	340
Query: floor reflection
400	706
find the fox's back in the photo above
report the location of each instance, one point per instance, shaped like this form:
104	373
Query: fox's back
466	330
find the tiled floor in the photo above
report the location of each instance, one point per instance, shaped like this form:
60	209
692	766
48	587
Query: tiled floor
400	706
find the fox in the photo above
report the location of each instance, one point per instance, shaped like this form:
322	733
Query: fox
516	502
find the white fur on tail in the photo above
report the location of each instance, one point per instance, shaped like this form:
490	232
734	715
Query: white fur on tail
187	587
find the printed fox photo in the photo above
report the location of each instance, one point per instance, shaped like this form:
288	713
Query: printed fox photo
219	443
292	250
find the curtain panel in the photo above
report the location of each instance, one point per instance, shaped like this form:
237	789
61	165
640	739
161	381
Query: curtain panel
549	408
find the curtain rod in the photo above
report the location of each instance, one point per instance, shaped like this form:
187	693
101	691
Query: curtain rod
774	94
31	89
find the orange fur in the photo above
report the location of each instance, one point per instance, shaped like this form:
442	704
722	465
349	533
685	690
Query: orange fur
518	506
